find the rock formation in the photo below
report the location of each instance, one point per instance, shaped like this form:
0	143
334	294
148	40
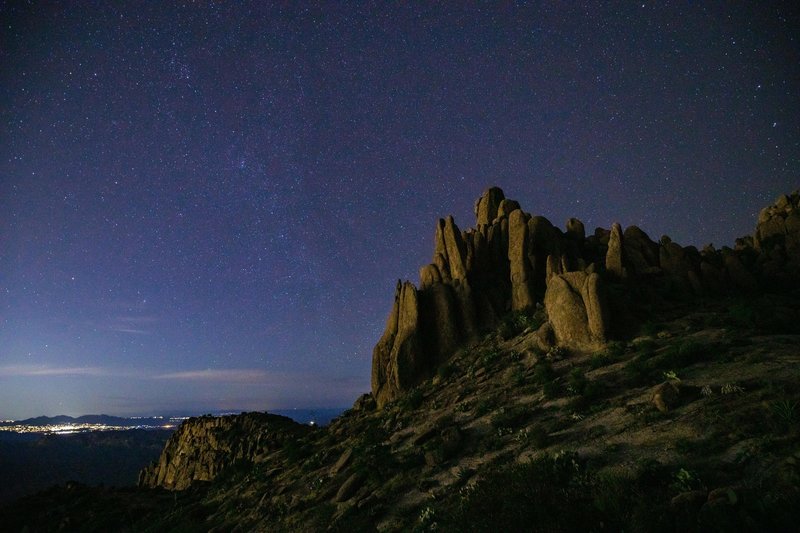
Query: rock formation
577	310
777	238
202	447
513	261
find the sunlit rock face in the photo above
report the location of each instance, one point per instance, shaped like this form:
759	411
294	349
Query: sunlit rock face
475	277
514	261
204	446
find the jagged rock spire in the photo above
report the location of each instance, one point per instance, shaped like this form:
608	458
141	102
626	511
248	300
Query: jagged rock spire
512	260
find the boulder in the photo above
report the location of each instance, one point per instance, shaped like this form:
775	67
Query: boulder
737	273
673	259
365	402
428	275
342	462
777	238
665	396
576	230
640	253
506	207
576	309
349	487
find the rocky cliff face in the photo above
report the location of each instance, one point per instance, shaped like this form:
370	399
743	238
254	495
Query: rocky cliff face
777	238
202	447
514	261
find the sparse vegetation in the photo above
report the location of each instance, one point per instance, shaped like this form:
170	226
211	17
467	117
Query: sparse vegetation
784	413
516	322
446	370
412	400
455	445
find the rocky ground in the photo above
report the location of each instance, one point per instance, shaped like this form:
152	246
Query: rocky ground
691	425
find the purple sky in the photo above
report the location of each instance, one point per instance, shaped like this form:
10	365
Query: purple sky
206	207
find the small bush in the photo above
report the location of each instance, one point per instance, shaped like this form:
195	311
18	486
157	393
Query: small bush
516	322
615	349
599	360
544	373
549	492
490	356
518	377
538	436
551	389
742	315
645	347
510	417
483	406
784	413
412	400
651	328
445	371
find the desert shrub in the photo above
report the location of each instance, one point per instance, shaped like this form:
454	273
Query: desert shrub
685	480
483	406
650	328
489	356
544	373
296	451
510	417
445	371
645	347
584	390
599	360
648	365
576	382
516	322
784	413
615	349
538	436
742	315
551	389
556	353
549	493
518	376
374	461
680	355
412	400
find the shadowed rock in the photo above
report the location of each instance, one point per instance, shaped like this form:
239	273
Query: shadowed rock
614	262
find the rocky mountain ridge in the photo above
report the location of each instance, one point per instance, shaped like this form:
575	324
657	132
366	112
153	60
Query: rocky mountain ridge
684	415
205	446
513	261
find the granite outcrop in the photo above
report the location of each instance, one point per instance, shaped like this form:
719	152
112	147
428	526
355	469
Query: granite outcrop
513	261
202	447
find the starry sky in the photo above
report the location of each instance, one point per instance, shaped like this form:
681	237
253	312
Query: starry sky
205	206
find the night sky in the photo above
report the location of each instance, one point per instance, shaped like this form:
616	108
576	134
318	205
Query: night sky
205	207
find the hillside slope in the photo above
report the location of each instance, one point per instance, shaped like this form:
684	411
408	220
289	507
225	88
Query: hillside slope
689	420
